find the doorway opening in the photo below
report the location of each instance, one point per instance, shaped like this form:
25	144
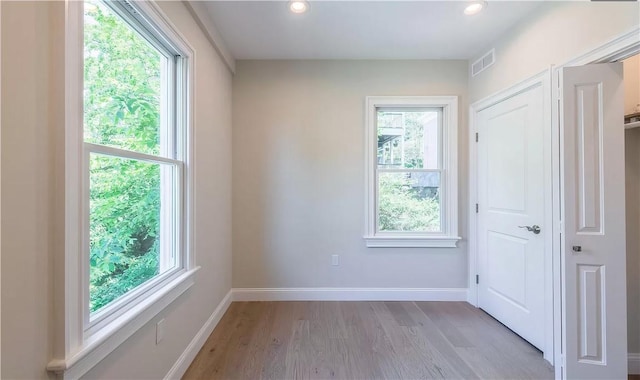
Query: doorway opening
623	49
511	188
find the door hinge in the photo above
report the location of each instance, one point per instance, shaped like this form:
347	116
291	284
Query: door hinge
477	278
476	136
477	208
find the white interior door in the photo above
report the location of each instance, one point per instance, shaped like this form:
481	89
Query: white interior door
594	321
511	197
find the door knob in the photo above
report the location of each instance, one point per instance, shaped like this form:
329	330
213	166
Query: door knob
535	228
576	248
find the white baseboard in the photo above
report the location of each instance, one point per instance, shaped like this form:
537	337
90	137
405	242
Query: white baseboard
349	294
183	362
634	364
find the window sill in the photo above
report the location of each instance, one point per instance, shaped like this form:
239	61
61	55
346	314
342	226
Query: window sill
97	346
411	241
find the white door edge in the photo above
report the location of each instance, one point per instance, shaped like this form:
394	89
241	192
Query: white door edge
541	79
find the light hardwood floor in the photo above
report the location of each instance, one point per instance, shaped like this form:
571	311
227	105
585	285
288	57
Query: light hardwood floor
364	340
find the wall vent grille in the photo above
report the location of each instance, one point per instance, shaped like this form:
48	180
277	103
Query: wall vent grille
483	63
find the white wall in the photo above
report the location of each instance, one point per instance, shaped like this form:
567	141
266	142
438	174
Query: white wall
554	34
32	218
557	32
298	174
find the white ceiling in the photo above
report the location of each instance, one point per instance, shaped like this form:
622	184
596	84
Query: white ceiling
363	29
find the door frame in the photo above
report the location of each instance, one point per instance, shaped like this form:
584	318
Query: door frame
542	79
616	49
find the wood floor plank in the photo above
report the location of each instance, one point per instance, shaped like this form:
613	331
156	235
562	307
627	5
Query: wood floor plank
248	321
257	340
364	340
285	316
418	358
296	361
440	319
362	358
400	314
382	350
502	353
437	338
322	341
208	361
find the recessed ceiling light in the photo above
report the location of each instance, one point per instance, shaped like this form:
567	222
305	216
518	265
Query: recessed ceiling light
475	7
298	6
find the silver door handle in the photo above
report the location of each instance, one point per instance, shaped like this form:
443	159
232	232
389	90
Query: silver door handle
535	228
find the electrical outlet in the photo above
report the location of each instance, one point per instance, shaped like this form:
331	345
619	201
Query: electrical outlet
335	260
159	331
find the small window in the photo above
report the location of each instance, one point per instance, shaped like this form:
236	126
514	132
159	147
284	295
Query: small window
411	172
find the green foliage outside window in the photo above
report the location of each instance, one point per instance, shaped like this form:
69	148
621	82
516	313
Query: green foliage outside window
403	207
121	109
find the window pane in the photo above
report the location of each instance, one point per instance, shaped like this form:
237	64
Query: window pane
409	202
122	83
408	139
128	212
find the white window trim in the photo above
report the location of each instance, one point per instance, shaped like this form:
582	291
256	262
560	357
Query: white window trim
449	237
77	350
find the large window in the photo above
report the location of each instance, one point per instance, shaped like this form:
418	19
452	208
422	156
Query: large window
411	172
128	175
134	165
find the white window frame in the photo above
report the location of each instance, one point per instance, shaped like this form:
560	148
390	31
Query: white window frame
81	343
448	237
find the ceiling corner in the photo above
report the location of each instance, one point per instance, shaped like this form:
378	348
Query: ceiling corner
200	13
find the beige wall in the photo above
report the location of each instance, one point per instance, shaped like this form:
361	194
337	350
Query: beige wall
28	185
557	32
631	84
298	174
32	176
554	34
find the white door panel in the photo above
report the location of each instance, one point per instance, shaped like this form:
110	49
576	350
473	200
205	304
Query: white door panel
507	264
594	287
511	192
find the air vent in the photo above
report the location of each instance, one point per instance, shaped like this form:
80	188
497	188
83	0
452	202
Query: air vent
483	63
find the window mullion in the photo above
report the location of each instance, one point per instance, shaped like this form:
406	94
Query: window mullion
123	153
407	170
